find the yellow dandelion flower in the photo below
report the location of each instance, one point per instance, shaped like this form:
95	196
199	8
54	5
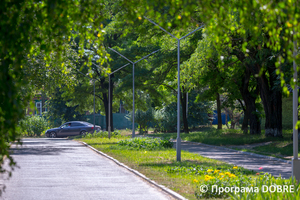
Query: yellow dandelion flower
235	167
140	18
232	176
221	174
195	181
207	178
216	171
227	173
179	16
145	151
210	170
289	24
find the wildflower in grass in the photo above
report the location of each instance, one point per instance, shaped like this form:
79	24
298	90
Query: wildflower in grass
195	181
227	173
260	168
235	167
232	176
210	170
207	177
221	174
216	171
145	151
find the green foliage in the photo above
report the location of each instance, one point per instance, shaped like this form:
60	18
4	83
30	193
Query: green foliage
146	143
34	125
143	119
60	111
29	28
165	119
103	134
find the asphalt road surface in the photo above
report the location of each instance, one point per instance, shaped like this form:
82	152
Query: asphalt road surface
54	169
234	157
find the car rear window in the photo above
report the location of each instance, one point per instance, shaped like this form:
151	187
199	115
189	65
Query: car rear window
88	123
77	124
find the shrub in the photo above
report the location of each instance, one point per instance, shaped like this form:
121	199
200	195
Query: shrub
143	119
103	134
34	125
145	143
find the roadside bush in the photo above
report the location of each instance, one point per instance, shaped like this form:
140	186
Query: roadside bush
103	134
143	119
165	119
145	143
34	125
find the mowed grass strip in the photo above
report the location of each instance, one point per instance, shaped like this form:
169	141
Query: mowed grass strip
225	137
156	164
278	148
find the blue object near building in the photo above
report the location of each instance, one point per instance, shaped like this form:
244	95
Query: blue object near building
223	115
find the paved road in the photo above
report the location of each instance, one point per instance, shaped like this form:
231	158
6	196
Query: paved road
57	169
247	161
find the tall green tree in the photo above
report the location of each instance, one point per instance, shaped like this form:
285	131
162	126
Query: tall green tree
276	22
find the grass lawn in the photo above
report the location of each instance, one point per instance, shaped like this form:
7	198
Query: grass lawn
280	147
162	167
225	137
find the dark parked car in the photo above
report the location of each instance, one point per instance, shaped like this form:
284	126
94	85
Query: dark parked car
72	128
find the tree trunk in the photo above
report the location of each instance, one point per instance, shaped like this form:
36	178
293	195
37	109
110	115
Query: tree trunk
105	102
111	102
245	122
271	97
250	107
184	117
219	111
272	101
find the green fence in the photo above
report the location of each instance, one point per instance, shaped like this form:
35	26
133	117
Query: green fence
119	121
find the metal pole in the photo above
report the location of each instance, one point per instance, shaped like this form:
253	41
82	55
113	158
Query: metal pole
133	106
295	108
295	160
133	63
178	143
109	107
94	105
178	140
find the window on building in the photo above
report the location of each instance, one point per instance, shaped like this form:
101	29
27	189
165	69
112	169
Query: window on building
38	106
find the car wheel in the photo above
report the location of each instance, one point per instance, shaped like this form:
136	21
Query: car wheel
83	133
52	135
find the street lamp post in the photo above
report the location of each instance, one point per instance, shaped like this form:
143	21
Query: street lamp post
295	161
178	139
133	63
